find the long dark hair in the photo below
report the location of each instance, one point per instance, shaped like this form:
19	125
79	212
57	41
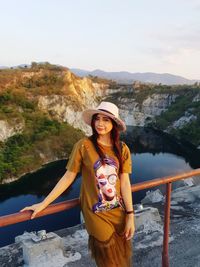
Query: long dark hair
114	138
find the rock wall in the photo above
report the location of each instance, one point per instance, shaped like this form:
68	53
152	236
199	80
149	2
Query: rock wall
78	94
69	108
135	114
8	129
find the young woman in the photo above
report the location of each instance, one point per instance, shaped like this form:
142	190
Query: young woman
105	198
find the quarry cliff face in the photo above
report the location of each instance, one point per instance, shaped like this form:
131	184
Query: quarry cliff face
43	99
74	94
135	114
64	104
8	129
144	105
80	94
84	94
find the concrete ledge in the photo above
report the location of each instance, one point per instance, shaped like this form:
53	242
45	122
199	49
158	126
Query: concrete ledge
147	243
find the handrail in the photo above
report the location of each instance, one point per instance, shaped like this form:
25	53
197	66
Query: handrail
164	180
68	204
26	215
65	205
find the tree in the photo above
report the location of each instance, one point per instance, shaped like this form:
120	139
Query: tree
34	65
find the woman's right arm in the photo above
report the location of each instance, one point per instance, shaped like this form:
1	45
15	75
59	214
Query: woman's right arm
60	187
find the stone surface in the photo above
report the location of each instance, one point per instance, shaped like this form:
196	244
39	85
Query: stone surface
152	197
80	94
182	121
196	98
139	115
9	129
147	217
184	247
48	252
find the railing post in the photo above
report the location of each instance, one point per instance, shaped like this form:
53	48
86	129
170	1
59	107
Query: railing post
165	253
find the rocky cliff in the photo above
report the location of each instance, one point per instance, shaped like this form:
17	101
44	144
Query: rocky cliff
37	106
139	104
140	115
64	102
175	110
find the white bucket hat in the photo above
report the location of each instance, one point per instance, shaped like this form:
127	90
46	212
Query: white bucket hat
107	108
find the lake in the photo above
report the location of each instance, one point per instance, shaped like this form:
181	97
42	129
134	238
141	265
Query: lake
148	163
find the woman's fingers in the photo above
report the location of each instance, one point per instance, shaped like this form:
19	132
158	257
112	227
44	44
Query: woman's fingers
36	208
31	208
26	208
33	215
129	233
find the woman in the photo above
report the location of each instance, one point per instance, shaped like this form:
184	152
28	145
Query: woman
105	198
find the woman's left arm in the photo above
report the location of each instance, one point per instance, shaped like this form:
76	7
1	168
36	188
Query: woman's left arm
127	198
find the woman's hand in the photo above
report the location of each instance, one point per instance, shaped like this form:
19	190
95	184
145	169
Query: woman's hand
60	187
36	208
129	227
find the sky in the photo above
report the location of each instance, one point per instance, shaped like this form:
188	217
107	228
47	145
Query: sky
112	35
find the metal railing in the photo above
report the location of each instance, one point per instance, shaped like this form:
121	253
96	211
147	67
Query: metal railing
65	205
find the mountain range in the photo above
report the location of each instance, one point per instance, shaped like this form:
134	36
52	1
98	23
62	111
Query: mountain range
128	77
125	77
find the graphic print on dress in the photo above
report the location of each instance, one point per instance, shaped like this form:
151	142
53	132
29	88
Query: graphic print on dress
106	179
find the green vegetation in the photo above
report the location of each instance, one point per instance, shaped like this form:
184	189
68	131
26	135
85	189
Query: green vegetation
46	66
143	91
191	131
42	140
13	103
183	103
97	79
46	83
42	78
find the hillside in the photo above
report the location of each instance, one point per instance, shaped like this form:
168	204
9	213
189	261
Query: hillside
41	107
30	134
172	109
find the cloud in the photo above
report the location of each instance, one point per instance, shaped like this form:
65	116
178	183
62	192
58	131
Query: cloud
175	50
182	37
180	40
193	4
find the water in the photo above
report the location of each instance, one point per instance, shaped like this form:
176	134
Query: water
150	166
34	187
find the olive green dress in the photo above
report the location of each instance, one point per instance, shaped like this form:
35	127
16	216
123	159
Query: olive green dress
101	202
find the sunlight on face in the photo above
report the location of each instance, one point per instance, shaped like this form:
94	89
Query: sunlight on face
103	124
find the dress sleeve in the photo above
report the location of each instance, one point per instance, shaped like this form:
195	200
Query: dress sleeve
126	159
75	159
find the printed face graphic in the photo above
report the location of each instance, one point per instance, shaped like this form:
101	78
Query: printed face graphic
106	178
